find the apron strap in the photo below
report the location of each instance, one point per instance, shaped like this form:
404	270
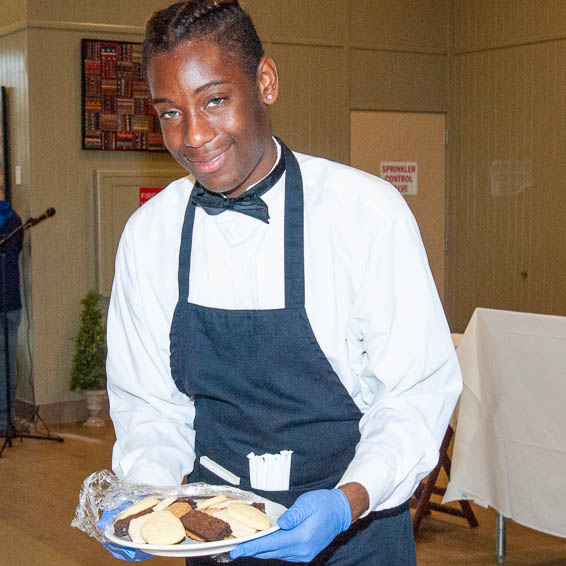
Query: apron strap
186	247
293	238
294	232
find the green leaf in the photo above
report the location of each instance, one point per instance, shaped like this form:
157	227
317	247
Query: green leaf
89	361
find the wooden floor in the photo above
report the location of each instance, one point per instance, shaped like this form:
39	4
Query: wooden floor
40	482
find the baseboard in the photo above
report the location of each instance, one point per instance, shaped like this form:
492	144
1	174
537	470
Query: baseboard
57	413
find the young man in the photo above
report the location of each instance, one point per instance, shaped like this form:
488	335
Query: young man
273	301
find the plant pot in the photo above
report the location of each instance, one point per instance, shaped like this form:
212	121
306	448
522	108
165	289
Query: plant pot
95	404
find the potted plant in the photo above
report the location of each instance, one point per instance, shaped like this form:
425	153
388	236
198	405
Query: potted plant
88	371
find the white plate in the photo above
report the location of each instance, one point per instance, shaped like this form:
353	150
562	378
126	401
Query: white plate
194	548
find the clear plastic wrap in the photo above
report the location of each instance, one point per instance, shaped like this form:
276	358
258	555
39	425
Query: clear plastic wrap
103	490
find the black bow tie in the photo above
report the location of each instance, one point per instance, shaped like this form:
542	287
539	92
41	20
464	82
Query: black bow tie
249	203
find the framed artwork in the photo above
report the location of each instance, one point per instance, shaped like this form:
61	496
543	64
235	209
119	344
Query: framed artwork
5	193
117	113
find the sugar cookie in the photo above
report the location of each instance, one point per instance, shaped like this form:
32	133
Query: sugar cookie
134	528
179	509
238	528
249	515
224	504
211	502
162	527
164	503
121	526
139	506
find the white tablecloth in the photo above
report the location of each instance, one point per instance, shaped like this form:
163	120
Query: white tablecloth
510	442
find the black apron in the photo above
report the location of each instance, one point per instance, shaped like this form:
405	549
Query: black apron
259	380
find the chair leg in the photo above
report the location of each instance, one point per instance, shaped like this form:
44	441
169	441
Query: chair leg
421	498
468	513
424	497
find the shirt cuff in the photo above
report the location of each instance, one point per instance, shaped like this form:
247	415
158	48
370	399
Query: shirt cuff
377	478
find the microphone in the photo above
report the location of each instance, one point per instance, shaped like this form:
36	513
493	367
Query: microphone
33	221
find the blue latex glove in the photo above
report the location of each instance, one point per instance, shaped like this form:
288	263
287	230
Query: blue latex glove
117	551
306	528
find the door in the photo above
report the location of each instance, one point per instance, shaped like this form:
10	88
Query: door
412	146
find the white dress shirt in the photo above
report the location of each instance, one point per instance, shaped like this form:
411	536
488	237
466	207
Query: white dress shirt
370	299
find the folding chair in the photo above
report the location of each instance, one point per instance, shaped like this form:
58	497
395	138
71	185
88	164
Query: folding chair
421	499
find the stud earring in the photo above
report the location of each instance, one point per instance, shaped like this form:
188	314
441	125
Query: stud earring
269	97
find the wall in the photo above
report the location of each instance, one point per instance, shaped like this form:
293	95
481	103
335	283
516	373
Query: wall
507	172
332	56
13	13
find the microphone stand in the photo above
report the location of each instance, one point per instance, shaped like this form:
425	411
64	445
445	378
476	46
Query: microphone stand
11	431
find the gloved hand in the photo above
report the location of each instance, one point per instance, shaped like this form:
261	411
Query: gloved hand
307	527
117	551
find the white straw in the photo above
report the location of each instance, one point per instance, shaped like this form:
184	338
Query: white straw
270	472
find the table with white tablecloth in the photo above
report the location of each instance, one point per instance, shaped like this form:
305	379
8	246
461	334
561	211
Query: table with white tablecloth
510	443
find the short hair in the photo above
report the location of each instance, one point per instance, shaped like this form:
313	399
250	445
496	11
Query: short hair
223	22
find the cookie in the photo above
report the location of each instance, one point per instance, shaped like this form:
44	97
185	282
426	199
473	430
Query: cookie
134	528
189	500
121	526
179	509
249	515
206	526
193	536
211	502
142	505
162	527
259	505
238	528
164	503
224	504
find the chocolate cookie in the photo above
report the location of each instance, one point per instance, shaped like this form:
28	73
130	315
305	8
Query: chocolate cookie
205	526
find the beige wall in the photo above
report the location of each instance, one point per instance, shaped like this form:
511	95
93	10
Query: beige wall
63	264
13	12
362	55
507	176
